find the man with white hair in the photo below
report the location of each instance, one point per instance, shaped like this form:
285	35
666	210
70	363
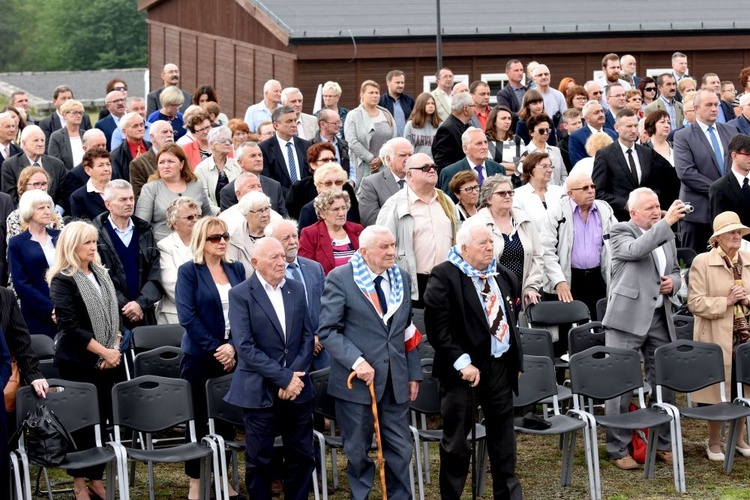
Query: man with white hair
470	316
133	105
368	337
250	158
628	67
92	138
115	103
742	122
446	147
170	76
262	111
245	183
8	132
307	125
474	144
575	238
133	127
424	221
32	143
377	188
142	167
593	112
594	91
554	100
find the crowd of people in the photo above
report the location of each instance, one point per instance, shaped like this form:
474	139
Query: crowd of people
286	242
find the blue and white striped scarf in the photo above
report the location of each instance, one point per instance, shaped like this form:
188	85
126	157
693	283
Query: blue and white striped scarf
366	285
455	258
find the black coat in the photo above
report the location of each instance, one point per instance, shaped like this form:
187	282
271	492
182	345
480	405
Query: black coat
17	336
446	146
726	195
121	159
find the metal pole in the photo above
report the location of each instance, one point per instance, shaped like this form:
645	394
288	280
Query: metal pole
439	39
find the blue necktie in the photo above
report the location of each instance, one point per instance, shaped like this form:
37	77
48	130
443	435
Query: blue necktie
480	177
292	163
293	269
717	149
381	295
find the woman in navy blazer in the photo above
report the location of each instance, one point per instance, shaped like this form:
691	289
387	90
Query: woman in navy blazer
332	240
202	299
30	255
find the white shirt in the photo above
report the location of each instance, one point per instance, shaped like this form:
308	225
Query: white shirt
282	145
275	295
704	128
301	130
740	178
48	248
635	158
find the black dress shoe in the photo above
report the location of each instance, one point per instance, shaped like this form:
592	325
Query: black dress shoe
238	496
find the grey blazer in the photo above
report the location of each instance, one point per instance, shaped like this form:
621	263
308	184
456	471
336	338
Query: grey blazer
635	279
374	190
59	147
659	104
696	166
350	327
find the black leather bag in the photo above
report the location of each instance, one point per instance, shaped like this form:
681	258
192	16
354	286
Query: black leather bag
47	439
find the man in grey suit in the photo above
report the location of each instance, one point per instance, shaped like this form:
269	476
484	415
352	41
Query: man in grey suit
644	274
375	189
701	157
365	313
666	100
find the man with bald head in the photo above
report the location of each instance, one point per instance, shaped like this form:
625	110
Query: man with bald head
144	165
33	143
575	238
115	102
423	220
250	158
262	111
593	112
133	105
170	76
307	125
8	132
245	183
133	127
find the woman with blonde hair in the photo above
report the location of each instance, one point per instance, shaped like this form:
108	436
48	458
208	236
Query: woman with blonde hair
88	319
29	179
66	144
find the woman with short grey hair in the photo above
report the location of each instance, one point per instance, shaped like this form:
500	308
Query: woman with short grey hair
256	208
218	170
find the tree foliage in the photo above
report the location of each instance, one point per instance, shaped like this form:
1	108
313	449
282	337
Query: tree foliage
55	35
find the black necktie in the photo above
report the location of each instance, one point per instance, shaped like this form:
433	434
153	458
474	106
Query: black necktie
381	295
401	184
633	170
746	190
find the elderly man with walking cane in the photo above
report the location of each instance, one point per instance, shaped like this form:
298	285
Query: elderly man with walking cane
365	325
470	316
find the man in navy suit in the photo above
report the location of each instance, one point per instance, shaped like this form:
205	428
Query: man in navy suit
365	313
593	112
115	102
742	122
615	95
474	144
700	159
731	193
8	131
274	342
306	271
284	154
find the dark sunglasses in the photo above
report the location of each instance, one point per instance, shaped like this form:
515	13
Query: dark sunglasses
588	187
191	218
543	131
338	182
649	89
216	238
426	168
120	88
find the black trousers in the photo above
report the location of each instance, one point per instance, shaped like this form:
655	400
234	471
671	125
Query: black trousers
695	235
588	286
495	395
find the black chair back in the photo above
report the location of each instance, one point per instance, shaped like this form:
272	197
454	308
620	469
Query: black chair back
536	342
537	381
162	361
218	409
75	403
150	403
605	372
687	366
742	363
683	326
428	398
150	337
585	336
43	346
601	308
554	312
685	257
324	404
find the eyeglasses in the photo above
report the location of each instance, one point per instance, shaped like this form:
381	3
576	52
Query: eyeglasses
191	218
329	96
263	210
116	101
743	153
202	129
597	93
122	88
580	98
649	89
224	140
75	113
338	182
588	187
543	131
505	194
216	238
38	185
327	159
426	168
544	166
471	189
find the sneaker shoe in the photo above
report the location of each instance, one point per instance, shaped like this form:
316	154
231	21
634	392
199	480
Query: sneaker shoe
625	463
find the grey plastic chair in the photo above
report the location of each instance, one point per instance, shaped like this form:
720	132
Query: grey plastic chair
742	374
162	361
536	384
683	326
44	348
151	404
76	405
147	338
606	372
687	366
538	342
585	336
601	309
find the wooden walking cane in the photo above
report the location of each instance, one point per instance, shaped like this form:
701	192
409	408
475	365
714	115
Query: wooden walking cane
376	424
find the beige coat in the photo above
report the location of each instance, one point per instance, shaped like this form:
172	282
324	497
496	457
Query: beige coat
710	281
